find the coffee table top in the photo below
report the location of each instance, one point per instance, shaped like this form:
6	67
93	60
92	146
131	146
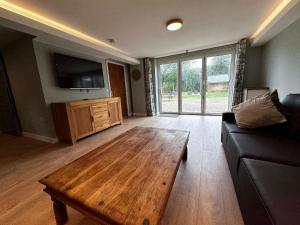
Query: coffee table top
127	180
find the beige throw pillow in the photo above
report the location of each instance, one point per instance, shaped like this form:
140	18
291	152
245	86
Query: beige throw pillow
257	112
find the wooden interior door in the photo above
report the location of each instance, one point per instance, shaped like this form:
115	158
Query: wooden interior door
117	84
82	120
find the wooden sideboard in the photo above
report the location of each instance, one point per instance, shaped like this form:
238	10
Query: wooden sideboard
77	119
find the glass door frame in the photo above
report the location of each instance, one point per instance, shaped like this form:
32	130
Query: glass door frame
178	60
160	85
187	58
231	75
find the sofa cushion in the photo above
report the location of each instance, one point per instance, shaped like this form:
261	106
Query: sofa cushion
269	193
281	108
231	127
257	112
228	117
268	147
292	102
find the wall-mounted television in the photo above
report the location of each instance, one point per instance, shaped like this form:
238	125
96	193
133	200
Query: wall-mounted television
76	73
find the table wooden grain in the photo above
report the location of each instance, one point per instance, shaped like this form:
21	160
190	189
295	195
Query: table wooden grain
126	181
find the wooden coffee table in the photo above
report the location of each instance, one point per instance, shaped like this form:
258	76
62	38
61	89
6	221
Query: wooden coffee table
126	181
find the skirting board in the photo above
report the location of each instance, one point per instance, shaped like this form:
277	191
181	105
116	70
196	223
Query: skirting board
39	137
139	114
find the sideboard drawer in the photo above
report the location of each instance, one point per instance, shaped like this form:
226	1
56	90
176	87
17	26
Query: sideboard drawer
100	116
99	107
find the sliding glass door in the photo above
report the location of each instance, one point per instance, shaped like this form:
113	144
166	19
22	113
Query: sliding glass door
197	85
168	87
191	86
218	71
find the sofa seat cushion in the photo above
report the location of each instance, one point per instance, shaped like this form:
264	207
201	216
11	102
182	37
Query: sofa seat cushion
231	127
268	147
270	193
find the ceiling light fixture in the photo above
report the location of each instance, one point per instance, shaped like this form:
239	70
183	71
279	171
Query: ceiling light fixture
174	24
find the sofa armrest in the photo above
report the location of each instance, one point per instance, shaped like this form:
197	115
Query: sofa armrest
228	117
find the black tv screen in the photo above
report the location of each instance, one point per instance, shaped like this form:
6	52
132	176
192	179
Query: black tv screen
78	73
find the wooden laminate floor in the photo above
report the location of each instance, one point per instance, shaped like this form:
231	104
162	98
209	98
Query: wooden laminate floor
203	192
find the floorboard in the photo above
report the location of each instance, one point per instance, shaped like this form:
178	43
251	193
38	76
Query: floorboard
203	192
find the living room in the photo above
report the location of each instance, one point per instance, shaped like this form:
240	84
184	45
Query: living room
173	112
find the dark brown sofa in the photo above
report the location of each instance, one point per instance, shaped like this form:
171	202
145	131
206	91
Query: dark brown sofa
265	167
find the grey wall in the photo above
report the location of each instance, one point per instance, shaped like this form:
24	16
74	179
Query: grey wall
281	61
5	112
253	67
34	114
52	93
138	91
31	70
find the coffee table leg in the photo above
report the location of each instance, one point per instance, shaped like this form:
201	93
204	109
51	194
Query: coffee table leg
185	154
60	212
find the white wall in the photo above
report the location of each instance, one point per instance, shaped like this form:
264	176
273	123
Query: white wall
138	91
281	61
35	115
253	67
31	70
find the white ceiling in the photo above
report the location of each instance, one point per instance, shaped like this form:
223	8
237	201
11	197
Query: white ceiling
139	25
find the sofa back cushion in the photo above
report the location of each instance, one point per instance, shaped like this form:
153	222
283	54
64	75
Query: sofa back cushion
292	103
280	107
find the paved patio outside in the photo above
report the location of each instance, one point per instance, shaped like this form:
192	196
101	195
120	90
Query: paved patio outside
213	105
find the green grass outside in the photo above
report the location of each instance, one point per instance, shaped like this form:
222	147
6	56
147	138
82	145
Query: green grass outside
216	94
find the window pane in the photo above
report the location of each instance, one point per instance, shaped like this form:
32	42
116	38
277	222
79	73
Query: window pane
218	76
169	87
191	85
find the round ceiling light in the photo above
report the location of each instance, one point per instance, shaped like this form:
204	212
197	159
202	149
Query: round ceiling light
174	24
